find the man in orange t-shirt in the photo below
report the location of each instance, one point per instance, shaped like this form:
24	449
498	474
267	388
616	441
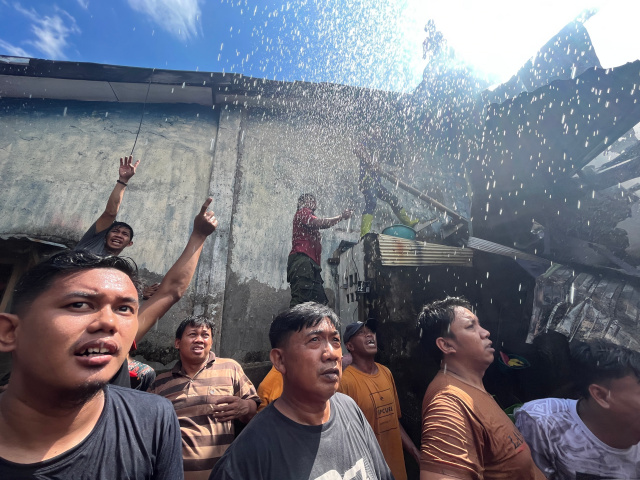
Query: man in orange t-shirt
372	387
465	434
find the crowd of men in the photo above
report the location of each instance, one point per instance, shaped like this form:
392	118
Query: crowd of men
69	410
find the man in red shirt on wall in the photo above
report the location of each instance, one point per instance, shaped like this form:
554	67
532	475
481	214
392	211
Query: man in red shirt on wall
303	266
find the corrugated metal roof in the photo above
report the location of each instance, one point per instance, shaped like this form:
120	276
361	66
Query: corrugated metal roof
491	247
399	252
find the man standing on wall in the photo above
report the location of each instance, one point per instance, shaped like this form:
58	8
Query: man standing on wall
208	394
106	236
303	265
372	387
368	151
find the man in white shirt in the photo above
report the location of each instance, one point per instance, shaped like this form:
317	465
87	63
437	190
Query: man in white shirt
596	437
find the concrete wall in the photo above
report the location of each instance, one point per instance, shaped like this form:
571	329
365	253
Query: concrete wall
281	156
59	163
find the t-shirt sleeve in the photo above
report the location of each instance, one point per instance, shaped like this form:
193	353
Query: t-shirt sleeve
87	237
243	387
169	454
305	216
93	241
264	393
538	441
448	445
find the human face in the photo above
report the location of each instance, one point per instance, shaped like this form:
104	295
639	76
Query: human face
311	204
312	360
364	343
78	332
470	341
195	344
118	239
624	402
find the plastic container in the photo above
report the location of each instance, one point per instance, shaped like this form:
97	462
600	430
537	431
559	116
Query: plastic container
401	231
505	367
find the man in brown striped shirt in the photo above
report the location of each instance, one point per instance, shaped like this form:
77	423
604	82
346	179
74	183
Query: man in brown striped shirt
208	393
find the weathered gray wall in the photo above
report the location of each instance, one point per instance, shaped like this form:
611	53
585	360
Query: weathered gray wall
280	157
59	162
59	166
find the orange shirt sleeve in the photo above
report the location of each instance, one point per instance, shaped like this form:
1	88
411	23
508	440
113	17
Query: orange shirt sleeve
450	443
270	388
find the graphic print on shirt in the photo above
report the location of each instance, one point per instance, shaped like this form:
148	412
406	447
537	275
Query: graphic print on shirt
517	440
357	472
385	405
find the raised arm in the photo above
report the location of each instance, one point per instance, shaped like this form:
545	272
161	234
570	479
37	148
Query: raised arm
125	172
331	221
177	279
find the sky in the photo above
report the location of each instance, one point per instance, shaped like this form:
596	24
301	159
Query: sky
367	43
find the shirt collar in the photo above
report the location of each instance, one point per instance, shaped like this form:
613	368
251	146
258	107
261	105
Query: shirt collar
177	368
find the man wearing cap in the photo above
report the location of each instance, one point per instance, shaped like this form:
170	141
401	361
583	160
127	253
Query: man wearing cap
372	387
106	236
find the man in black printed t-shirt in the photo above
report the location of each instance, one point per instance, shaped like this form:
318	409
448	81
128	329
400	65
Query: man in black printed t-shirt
310	432
72	321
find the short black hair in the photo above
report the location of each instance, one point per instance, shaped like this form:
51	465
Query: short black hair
304	198
121	224
305	315
434	321
40	278
194	321
598	361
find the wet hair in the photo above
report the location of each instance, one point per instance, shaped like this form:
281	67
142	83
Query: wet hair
122	224
195	322
41	277
301	316
304	198
435	321
598	361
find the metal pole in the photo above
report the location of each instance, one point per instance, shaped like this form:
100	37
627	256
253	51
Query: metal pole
422	196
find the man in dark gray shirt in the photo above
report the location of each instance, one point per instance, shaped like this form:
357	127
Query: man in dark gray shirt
106	236
72	321
310	432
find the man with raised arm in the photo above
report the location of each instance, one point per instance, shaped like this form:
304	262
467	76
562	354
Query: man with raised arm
106	236
303	264
175	282
72	321
368	152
